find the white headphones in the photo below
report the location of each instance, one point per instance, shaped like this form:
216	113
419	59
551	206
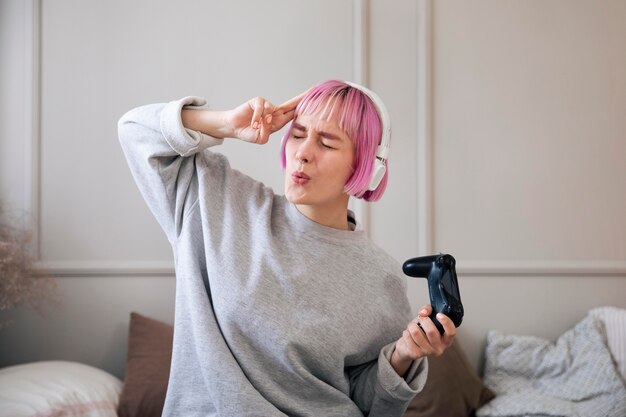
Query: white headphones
382	152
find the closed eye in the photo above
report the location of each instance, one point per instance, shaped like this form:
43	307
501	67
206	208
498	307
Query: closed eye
321	142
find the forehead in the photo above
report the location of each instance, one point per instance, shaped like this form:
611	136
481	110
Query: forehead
326	115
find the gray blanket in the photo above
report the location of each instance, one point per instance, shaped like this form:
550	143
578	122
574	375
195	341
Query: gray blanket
535	377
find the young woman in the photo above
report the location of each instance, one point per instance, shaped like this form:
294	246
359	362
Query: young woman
283	305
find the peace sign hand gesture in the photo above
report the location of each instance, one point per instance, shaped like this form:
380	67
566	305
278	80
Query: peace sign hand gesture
255	120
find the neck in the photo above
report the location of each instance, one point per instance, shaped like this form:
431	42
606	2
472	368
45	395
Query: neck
333	215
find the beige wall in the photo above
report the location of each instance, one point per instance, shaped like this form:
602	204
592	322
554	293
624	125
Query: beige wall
528	140
529	176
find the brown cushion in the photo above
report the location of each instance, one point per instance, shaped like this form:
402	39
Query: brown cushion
147	367
453	388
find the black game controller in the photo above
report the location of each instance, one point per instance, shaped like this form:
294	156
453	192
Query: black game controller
442	285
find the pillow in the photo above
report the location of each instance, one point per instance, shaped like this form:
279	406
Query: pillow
574	375
147	367
614	320
59	389
452	389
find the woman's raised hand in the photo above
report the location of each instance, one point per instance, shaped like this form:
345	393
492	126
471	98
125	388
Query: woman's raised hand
255	120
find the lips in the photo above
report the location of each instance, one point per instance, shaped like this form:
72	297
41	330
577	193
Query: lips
300	177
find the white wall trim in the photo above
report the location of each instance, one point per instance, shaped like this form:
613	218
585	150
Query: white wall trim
425	183
33	158
424	159
464	268
541	268
61	269
32	170
32	121
360	75
425	231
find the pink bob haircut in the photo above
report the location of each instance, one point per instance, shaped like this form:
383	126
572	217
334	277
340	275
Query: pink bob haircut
359	119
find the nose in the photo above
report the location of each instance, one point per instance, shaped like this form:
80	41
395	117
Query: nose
304	150
301	159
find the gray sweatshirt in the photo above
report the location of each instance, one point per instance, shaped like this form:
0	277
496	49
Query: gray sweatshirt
275	314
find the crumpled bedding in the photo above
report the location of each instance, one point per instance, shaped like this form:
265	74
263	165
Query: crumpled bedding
576	376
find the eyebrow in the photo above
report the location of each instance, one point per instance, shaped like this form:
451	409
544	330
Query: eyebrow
323	134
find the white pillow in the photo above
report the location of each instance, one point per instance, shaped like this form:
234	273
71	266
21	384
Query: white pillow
614	320
58	389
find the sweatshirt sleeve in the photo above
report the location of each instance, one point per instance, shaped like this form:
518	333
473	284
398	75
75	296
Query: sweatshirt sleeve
379	391
162	154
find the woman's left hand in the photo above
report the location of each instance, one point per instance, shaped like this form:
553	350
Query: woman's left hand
421	338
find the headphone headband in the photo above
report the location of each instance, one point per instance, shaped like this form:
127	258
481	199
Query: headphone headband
382	152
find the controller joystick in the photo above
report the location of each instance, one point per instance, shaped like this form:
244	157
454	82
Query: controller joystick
443	287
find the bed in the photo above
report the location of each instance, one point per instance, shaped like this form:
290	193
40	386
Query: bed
580	374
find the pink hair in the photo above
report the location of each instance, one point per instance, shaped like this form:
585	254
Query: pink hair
359	119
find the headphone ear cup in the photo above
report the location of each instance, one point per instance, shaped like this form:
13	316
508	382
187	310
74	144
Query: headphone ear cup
377	174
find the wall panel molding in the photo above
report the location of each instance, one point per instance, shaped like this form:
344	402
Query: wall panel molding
469	268
425	190
32	163
97	269
360	75
32	121
424	157
541	268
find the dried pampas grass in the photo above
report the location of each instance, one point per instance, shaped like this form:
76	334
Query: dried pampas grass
21	283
